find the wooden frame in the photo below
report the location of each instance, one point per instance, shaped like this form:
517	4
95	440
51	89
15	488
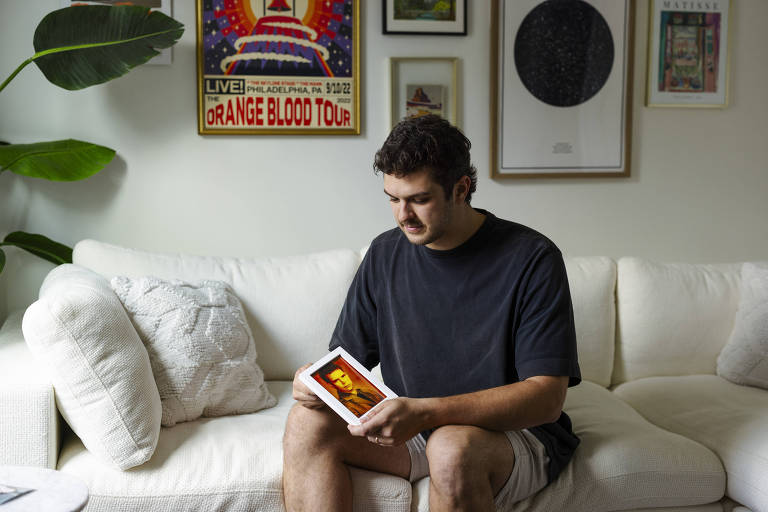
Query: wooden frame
698	32
422	22
265	70
558	118
435	76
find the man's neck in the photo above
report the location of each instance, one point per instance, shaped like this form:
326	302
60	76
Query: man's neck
467	222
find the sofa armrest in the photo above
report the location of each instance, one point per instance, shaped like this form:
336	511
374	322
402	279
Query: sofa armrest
29	420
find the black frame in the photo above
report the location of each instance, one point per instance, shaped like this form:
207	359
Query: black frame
385	19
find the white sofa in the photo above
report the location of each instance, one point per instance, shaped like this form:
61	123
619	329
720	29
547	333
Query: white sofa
659	428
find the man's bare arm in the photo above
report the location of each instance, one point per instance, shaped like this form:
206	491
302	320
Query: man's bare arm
534	401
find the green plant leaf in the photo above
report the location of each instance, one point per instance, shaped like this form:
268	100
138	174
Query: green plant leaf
39	245
2	261
59	160
86	45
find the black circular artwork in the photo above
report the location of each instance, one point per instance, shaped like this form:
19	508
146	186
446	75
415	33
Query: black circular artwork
564	52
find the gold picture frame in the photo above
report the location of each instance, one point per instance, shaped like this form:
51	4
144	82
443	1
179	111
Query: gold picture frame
688	54
539	131
434	76
265	69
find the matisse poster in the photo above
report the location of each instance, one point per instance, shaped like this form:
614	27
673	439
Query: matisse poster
278	67
688	58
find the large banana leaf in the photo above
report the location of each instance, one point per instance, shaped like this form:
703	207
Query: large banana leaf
60	160
38	245
87	45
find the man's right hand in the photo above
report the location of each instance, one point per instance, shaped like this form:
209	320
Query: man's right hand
304	395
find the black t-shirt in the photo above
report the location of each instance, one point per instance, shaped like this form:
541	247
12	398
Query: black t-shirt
493	311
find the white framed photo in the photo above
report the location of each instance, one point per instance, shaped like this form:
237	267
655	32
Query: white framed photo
423	85
345	385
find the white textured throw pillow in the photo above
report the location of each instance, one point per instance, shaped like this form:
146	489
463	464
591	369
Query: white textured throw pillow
200	347
98	366
744	359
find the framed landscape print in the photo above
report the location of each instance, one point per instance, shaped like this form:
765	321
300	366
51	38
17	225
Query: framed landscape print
425	17
423	85
688	53
561	85
278	67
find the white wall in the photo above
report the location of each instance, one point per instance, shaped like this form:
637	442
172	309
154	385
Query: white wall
697	192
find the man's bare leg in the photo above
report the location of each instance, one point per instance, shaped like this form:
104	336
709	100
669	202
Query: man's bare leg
468	467
317	452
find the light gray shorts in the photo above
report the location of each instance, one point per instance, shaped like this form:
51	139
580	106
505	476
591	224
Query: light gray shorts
529	474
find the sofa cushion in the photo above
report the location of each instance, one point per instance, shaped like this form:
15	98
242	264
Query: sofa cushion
200	347
592	282
225	463
98	366
291	303
623	462
744	359
673	319
731	420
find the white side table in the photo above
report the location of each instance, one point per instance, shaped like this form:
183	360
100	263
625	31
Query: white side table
54	490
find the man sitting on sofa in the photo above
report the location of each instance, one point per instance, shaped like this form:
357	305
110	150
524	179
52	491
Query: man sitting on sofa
470	317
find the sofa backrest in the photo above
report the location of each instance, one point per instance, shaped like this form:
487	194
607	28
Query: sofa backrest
592	282
673	319
292	303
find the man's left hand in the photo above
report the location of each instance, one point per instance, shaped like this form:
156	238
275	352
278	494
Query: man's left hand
394	421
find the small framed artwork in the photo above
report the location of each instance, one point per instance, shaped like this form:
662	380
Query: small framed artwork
164	6
278	67
688	54
345	385
442	17
423	85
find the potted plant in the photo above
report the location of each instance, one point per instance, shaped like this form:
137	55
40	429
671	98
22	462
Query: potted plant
77	47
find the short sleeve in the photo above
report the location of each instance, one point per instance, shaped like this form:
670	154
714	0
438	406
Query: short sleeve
356	329
545	337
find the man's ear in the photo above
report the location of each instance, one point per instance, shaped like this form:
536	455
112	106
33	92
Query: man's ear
461	188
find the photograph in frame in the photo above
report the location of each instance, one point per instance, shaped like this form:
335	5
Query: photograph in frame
561	99
163	6
423	99
286	67
688	53
425	17
422	85
345	385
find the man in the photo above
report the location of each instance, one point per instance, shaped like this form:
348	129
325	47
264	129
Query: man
357	400
470	317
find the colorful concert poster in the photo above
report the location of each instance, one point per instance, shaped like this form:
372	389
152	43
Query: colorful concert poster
278	67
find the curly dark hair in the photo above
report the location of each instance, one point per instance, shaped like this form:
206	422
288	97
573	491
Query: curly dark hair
428	142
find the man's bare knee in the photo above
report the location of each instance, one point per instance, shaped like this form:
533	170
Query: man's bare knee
452	463
308	430
461	458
